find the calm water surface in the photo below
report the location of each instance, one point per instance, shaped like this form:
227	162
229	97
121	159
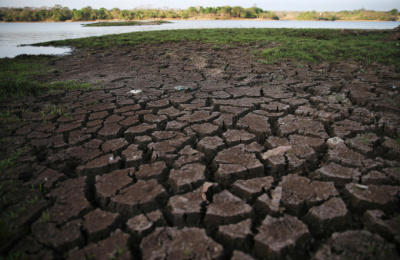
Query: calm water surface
13	35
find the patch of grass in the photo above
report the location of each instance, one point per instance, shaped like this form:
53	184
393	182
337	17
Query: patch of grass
45	217
26	75
11	160
304	45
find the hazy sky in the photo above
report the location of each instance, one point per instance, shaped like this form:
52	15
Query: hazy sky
276	5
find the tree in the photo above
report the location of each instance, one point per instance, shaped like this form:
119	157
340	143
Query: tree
393	12
192	11
237	10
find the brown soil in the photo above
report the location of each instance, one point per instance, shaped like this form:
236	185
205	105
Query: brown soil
238	163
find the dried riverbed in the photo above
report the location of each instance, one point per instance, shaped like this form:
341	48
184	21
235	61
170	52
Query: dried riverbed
235	163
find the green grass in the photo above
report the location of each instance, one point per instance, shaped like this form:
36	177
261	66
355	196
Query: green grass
130	23
304	45
26	75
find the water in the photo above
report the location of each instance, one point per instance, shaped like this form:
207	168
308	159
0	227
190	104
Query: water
13	35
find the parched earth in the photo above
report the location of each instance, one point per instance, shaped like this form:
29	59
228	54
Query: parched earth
218	156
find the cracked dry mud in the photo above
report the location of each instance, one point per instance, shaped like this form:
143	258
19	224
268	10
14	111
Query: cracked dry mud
241	165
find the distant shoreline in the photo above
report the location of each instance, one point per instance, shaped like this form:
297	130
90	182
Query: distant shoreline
196	19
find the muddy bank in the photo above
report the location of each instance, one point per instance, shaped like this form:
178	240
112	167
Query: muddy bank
218	156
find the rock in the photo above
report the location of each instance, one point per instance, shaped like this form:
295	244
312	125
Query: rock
334	142
281	237
187	243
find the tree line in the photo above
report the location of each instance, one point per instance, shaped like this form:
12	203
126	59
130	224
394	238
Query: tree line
59	14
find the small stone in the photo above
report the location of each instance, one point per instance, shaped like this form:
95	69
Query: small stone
334	142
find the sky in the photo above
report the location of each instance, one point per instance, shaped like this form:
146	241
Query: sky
274	5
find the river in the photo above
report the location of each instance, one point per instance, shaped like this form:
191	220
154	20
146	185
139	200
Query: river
13	35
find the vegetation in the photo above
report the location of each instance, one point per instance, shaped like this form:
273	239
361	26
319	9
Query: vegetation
26	75
355	15
311	45
130	23
59	13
